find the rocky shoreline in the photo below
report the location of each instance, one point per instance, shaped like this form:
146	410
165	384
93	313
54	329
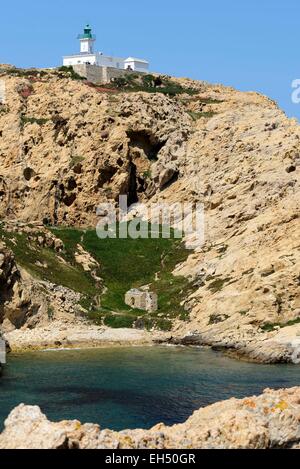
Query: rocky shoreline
59	335
269	421
270	348
274	347
236	153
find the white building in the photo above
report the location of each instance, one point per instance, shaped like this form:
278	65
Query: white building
138	65
87	55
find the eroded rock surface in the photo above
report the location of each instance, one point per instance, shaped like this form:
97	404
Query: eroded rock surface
269	421
65	148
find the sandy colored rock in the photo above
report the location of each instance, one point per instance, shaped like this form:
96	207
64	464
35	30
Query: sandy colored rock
236	153
269	421
59	334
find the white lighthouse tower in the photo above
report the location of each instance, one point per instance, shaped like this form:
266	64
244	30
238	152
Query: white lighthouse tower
88	56
87	40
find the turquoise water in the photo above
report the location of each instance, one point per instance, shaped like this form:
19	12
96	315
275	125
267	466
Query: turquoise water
132	387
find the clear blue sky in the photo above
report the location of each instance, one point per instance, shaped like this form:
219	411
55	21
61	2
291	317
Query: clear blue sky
248	44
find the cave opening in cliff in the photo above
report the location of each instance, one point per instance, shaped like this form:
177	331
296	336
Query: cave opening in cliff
146	142
132	185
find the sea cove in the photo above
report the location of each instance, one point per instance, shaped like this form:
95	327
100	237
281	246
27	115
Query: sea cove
132	387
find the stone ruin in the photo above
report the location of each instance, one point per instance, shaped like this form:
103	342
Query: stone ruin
140	299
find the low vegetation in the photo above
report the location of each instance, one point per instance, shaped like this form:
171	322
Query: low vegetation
198	115
123	264
217	284
150	84
43	263
34	74
4	109
32	120
217	318
23	72
75	160
68	72
269	327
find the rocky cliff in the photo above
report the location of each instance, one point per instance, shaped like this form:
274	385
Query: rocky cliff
66	146
269	421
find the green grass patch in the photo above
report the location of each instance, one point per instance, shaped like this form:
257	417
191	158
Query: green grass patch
270	327
150	84
147	174
75	160
124	264
198	115
128	263
210	101
32	257
69	72
217	318
218	284
32	120
23	72
244	312
208	114
118	320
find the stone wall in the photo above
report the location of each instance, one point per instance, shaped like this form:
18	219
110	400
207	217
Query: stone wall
96	74
142	300
151	302
136	299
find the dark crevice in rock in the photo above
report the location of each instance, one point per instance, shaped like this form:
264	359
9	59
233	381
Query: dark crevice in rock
72	184
57	191
69	199
132	185
106	175
171	179
28	173
60	124
147	142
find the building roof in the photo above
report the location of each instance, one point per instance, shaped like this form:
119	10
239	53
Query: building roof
133	59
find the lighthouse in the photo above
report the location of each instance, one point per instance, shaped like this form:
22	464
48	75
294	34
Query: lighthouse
87	40
88	56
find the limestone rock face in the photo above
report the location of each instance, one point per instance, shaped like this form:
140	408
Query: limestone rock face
65	147
13	296
26	302
248	269
269	421
8	270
